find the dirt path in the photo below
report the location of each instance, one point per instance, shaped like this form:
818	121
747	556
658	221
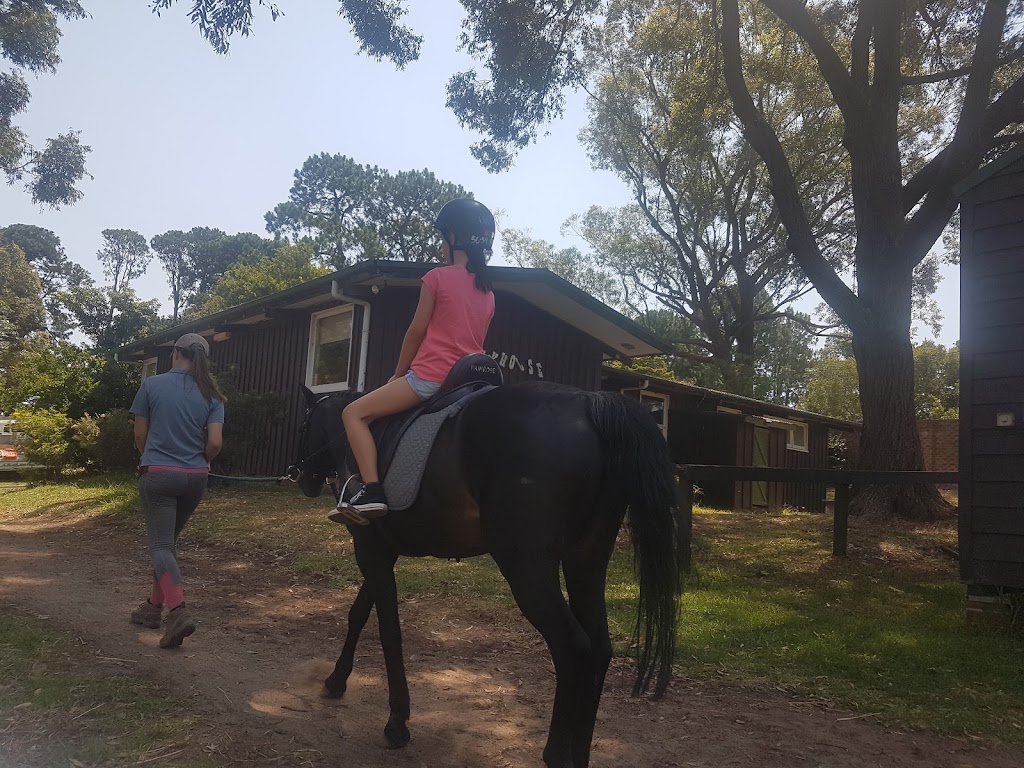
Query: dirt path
481	683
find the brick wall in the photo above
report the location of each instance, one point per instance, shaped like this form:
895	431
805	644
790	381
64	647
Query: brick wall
940	442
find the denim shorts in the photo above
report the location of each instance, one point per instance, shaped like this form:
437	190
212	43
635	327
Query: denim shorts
423	389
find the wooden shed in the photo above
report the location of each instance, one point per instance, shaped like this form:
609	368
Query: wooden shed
991	528
704	426
344	331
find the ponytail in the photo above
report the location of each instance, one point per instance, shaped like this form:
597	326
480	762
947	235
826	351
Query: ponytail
201	372
478	254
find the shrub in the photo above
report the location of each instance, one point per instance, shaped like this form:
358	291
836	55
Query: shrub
116	441
106	443
45	437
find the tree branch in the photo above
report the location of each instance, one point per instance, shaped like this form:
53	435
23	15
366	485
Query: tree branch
851	101
762	137
952	74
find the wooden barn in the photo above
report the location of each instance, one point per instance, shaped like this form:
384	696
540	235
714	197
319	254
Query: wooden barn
992	376
344	331
704	426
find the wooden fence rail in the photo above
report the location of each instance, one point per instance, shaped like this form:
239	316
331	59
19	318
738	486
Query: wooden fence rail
843	480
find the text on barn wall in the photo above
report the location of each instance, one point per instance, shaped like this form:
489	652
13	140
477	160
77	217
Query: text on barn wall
513	362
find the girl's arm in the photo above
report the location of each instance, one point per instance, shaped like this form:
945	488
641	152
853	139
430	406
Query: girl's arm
417	331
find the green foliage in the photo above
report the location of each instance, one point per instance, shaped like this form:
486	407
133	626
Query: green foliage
833	390
111	319
784	351
568	263
125	255
288	265
936	381
353	211
29	37
249	416
703	238
833	385
57	273
655	365
195	260
21	305
106	443
55	374
45	437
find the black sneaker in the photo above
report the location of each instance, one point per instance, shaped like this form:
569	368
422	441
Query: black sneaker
368	503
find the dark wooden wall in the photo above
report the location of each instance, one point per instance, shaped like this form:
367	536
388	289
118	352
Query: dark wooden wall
270	357
529	343
992	380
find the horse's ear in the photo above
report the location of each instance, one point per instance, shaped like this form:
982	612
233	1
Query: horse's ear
309	395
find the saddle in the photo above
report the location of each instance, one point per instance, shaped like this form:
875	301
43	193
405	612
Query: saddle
405	439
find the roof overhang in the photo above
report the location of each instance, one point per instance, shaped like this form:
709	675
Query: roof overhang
545	290
746	405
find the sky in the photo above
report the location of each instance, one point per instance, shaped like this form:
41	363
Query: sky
183	137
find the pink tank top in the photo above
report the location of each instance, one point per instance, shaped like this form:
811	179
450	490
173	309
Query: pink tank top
458	325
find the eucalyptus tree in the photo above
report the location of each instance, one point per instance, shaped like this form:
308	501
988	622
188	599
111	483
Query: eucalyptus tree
352	211
925	92
30	36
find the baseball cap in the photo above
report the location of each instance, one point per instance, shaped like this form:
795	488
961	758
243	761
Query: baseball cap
191	340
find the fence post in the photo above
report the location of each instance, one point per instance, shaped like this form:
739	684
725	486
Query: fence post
840	518
685	521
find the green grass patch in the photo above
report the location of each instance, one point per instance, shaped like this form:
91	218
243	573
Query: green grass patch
881	631
60	705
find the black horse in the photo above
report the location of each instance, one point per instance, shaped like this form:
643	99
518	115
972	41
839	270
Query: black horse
539	476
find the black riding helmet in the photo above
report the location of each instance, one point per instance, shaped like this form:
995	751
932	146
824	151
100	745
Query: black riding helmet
467	222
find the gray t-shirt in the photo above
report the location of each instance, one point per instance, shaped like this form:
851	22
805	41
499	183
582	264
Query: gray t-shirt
178	415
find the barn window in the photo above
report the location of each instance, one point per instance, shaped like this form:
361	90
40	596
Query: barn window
330	344
656	403
796	433
149	367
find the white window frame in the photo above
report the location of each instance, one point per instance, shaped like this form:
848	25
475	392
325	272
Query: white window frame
666	399
314	318
7	427
155	362
792	428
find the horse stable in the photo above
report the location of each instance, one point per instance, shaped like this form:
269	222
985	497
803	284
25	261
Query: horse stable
344	331
991	503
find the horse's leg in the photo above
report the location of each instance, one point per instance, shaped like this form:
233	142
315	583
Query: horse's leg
585	576
337	682
536	588
378	568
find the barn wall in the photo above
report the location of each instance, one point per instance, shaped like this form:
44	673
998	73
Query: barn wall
528	344
940	444
992	381
806	496
268	359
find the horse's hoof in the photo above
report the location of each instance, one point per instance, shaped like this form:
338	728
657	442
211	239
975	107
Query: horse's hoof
333	690
396	734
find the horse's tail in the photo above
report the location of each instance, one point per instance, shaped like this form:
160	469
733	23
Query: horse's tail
639	468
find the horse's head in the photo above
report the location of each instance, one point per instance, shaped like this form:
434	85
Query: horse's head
322	443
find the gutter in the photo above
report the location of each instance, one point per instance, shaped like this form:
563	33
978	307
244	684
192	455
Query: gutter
364	341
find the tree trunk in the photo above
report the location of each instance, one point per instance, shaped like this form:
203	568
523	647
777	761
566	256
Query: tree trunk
889	438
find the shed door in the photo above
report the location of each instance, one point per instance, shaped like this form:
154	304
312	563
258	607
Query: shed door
762	443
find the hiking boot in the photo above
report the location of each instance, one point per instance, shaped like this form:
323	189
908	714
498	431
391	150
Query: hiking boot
369	503
180	625
148	615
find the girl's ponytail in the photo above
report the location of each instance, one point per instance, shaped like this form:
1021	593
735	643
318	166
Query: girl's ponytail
201	372
478	255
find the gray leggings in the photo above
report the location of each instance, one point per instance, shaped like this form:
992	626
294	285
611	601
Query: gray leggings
168	501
